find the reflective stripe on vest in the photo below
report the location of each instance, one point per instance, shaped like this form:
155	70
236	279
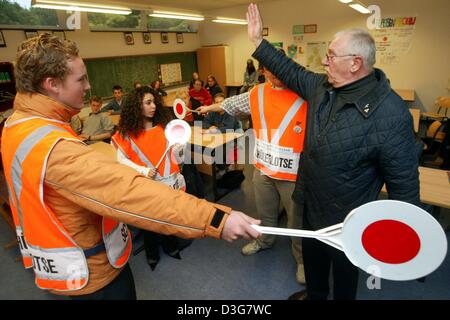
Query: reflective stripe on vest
280	162
175	181
58	262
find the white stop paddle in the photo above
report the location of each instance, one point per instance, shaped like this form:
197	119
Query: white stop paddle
177	131
389	239
180	109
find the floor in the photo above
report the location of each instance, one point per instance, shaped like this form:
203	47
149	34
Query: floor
213	269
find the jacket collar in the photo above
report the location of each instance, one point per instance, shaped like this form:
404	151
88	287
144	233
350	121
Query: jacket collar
40	105
369	102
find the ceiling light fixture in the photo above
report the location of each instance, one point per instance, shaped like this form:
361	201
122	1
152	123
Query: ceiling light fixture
360	7
229	20
76	6
176	15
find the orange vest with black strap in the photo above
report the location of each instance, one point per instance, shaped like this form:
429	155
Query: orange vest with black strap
58	262
279	120
146	150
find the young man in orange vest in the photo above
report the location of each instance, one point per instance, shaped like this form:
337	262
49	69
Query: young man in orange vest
71	204
279	118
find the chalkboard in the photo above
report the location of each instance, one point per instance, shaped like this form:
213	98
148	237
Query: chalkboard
104	73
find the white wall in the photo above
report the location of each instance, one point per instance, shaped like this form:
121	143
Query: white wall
426	68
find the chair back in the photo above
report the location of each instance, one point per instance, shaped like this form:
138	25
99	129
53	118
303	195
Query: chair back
443	103
435	131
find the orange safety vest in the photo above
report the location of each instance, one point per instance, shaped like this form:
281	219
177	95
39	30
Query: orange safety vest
146	150
279	121
58	262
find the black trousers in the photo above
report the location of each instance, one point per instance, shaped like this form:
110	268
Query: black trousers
121	288
152	240
319	259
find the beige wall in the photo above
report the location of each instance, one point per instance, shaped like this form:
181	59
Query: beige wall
426	68
107	44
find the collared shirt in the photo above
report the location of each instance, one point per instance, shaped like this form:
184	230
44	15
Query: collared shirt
237	104
97	123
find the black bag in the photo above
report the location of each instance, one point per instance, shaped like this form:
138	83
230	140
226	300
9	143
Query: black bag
231	180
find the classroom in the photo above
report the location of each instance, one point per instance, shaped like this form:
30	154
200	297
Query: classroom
188	95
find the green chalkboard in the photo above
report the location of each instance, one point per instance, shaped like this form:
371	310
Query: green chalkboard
104	73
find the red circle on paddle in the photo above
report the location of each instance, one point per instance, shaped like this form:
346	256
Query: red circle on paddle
179	108
391	241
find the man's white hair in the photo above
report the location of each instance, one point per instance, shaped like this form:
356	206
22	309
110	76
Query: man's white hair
361	43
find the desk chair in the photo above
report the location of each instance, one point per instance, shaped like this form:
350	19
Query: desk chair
441	103
434	137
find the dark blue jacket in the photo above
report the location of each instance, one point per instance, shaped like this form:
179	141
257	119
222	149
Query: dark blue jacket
360	146
114	106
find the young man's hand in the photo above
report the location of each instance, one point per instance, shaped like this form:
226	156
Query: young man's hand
238	225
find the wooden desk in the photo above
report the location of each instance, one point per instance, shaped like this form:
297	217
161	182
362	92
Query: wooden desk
210	143
416	118
104	148
115	118
406	94
232	88
169	99
434	187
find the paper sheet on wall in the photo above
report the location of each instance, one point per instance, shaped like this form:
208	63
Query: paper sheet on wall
170	73
393	38
315	51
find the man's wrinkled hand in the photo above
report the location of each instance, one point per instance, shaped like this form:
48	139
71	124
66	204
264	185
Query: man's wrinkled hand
255	24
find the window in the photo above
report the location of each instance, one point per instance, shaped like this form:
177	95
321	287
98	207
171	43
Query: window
163	24
117	22
18	14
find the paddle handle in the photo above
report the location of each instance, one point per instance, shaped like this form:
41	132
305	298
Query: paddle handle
192	110
164	154
287	232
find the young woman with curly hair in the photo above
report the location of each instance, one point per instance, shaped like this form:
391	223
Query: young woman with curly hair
140	143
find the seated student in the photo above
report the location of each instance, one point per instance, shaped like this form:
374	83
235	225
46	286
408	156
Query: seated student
195	76
76	124
212	86
200	94
219	122
137	85
250	77
115	105
156	85
98	126
183	94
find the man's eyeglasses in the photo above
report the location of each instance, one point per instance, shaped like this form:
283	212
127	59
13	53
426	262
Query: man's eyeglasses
330	57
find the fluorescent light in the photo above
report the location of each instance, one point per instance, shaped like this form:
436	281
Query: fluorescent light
345	1
229	20
76	6
176	15
360	8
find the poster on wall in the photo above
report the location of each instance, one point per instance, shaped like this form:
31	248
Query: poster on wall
393	37
170	73
315	52
298	40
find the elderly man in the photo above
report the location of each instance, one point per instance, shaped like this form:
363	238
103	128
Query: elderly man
358	136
